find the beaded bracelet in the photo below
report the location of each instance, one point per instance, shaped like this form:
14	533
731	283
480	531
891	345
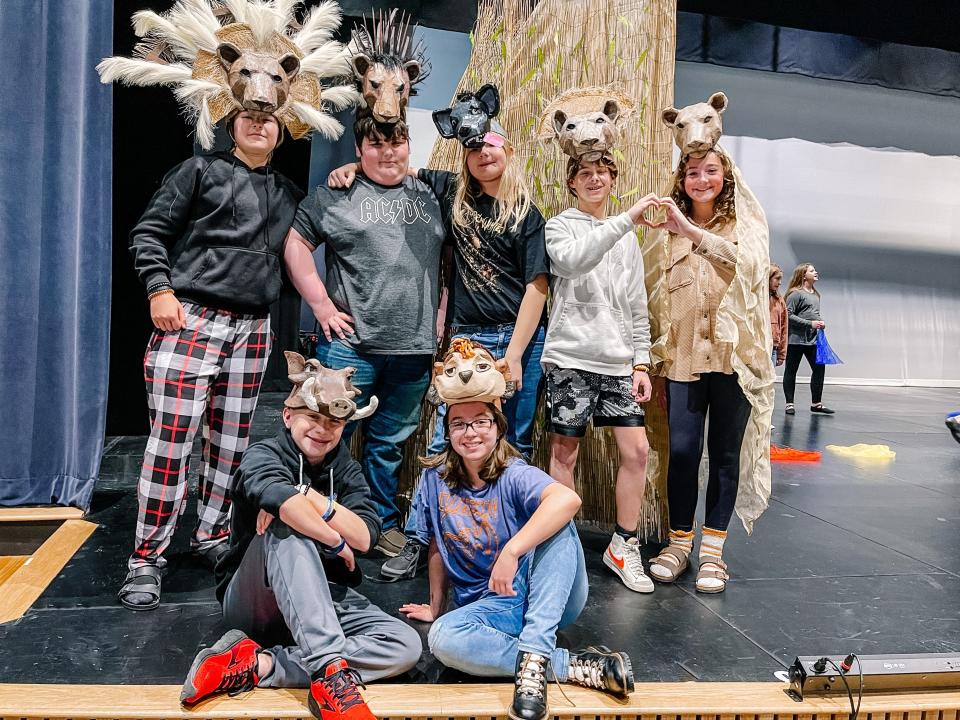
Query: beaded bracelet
158	293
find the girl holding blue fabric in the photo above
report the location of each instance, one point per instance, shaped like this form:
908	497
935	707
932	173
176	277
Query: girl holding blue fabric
803	310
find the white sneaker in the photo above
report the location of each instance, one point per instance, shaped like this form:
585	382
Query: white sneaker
623	557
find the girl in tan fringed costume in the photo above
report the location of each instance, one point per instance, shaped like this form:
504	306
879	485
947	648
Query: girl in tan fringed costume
714	345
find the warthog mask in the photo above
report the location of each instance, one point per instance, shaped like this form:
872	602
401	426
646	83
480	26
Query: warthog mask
328	392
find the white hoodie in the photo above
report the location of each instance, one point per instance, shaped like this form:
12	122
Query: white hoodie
598	321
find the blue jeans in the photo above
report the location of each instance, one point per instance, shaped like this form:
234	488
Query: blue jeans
521	408
485	636
399	382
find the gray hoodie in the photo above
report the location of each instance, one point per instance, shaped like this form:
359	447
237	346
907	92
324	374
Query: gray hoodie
598	320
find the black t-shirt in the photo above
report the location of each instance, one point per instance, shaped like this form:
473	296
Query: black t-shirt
492	268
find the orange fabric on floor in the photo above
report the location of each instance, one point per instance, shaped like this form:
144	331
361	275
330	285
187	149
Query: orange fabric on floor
785	454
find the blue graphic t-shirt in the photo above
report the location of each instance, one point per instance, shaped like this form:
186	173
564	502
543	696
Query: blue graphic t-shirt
382	250
472	526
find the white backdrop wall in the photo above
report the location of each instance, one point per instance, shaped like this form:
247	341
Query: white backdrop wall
883	229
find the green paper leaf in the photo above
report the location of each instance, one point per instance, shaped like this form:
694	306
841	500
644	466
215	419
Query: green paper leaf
529	76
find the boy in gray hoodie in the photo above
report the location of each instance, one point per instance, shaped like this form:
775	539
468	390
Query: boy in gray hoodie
597	348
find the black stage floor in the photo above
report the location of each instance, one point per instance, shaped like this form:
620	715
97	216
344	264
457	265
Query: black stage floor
848	558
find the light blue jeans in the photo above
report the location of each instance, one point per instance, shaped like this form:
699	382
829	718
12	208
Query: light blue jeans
399	382
484	637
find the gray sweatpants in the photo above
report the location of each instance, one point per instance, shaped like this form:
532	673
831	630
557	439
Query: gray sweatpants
281	590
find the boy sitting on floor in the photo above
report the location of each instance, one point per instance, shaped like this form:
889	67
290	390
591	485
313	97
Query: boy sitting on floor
301	508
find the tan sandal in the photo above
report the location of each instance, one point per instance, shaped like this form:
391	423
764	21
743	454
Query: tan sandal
705	573
672	559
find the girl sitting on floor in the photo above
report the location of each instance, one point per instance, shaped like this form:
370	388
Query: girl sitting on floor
502	543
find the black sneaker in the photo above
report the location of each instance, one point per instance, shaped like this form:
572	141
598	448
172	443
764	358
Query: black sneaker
530	692
601	669
407	563
822	409
789	410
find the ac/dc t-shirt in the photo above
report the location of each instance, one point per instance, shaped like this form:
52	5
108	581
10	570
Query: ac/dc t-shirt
492	268
382	249
472	526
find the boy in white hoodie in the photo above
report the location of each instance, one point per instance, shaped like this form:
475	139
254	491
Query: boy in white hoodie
598	346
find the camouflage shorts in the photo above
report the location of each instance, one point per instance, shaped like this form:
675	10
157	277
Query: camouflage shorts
574	397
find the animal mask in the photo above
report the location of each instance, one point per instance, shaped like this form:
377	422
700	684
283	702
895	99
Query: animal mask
387	65
224	57
587	136
258	81
586	122
469	373
469	119
697	128
323	390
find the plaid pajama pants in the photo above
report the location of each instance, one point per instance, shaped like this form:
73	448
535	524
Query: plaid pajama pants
208	375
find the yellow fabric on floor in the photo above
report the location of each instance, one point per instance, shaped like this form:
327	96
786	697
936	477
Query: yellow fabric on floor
862	451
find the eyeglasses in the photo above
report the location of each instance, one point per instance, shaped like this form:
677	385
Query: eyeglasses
458	427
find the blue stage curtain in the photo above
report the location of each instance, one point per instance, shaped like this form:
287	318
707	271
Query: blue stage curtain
55	248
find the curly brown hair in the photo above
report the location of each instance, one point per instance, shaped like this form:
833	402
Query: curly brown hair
452	470
725	211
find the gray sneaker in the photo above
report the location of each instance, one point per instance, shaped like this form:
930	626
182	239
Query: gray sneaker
406	563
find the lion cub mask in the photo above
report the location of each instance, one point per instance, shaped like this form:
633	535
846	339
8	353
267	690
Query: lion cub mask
469	373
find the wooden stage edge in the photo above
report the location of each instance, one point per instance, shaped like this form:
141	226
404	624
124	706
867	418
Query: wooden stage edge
651	701
38	514
22	588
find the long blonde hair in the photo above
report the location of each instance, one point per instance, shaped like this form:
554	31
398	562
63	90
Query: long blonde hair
512	201
452	470
796	280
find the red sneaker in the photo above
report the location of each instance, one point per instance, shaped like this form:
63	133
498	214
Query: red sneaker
229	666
334	694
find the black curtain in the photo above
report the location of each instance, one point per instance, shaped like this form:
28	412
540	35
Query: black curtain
149	138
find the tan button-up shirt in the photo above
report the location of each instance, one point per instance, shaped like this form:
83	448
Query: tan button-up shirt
697	280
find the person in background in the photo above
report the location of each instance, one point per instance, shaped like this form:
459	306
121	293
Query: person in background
778	317
207	249
382	239
803	309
